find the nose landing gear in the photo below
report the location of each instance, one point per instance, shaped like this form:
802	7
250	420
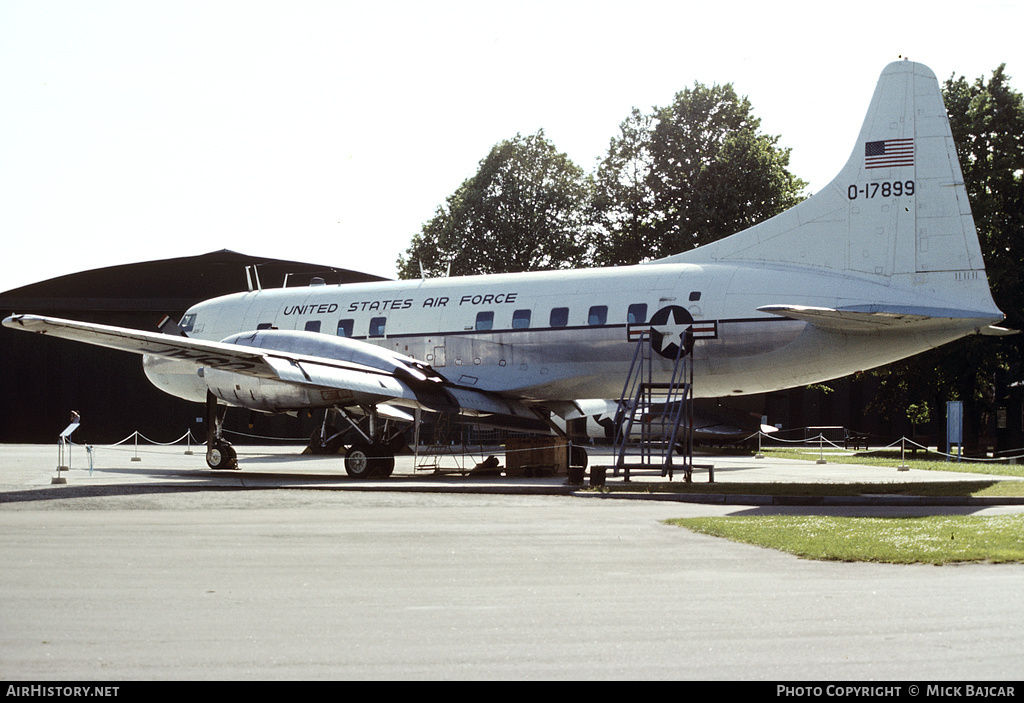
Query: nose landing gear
220	455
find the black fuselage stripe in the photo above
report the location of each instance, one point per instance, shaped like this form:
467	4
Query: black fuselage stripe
568	328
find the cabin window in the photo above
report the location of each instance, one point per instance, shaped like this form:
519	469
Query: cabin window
265	326
377	326
313	326
346	327
484	321
521	319
637	313
559	317
597	316
695	295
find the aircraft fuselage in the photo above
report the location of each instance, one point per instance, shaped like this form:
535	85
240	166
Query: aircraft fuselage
564	335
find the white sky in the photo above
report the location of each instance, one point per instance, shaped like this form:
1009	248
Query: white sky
329	132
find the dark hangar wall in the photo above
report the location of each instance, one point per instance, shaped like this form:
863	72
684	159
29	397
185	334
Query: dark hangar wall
44	379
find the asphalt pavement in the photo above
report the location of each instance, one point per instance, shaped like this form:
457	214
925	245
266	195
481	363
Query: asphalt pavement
145	565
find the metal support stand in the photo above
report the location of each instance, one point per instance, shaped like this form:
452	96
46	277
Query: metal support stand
64	446
668	405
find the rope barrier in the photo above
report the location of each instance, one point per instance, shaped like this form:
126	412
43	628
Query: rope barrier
820	439
898	443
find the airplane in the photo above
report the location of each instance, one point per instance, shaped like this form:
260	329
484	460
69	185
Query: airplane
881	264
710	422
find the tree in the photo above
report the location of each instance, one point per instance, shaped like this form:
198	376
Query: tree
526	209
987	121
624	203
689	174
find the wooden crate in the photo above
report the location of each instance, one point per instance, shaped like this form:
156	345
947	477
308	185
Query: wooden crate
536	456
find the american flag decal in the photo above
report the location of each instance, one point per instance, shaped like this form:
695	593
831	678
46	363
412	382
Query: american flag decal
889	153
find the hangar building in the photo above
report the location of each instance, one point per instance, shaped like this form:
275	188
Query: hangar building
43	379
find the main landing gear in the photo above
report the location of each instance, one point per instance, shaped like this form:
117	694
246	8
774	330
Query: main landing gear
369	453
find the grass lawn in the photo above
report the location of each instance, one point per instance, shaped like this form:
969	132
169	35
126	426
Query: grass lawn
982	487
929	540
892	457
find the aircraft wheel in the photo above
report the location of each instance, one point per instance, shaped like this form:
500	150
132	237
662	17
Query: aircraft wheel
221	456
369	461
385	464
360	461
577	456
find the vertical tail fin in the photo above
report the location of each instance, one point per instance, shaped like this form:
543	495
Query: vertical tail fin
897	212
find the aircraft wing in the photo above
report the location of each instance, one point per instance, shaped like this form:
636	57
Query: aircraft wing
871	318
214	354
378	377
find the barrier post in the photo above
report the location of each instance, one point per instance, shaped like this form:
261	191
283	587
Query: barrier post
63	444
136	457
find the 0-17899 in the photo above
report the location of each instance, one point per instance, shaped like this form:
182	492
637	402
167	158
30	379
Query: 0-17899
885	189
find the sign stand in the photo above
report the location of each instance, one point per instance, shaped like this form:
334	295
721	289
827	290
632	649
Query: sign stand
63	444
954	428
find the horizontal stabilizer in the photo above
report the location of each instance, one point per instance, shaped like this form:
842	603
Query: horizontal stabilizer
994	331
873	318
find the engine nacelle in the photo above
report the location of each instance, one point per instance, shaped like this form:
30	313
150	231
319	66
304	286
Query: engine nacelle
327	346
186	380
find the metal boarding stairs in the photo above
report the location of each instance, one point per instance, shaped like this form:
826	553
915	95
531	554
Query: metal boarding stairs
660	409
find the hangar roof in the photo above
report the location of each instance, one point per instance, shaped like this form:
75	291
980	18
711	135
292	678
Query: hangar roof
165	285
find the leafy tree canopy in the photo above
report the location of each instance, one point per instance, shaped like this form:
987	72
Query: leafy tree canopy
526	209
688	174
987	120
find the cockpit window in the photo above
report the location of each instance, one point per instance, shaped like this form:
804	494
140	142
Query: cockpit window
187	322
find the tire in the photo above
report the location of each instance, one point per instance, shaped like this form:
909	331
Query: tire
221	456
577	456
385	464
359	461
369	461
